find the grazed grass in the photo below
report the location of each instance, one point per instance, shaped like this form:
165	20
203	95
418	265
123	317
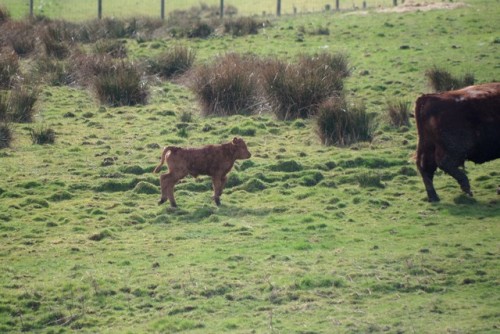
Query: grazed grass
309	238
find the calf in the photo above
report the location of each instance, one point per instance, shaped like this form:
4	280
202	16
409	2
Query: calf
212	160
456	126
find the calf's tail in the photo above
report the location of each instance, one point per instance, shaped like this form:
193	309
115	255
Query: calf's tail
166	150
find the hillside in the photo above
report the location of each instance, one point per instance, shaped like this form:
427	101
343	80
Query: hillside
309	238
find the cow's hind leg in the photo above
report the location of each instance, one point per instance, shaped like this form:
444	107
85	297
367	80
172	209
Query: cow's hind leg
451	167
167	183
427	166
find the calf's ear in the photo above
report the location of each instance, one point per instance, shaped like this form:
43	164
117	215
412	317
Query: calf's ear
235	140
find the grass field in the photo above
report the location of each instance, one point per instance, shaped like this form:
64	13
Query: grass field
83	10
309	238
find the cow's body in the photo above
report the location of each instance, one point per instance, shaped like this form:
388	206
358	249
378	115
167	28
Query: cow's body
212	160
456	126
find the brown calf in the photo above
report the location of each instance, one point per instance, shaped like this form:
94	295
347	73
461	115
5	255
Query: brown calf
456	126
212	160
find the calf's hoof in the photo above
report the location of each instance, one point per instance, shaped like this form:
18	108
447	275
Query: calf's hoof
217	201
433	199
161	201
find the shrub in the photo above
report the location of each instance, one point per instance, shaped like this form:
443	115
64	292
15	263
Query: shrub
297	90
42	135
120	85
21	102
399	112
242	26
441	80
342	124
9	65
172	62
229	86
5	135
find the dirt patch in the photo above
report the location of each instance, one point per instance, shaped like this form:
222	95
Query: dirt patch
411	6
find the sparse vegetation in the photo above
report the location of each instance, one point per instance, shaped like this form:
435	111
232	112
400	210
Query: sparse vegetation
398	112
21	102
42	134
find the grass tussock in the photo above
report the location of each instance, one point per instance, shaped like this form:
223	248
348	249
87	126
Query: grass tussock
9	66
52	71
297	90
112	47
398	112
228	86
6	134
120	85
21	102
42	135
20	36
242	26
173	62
341	123
3	106
441	80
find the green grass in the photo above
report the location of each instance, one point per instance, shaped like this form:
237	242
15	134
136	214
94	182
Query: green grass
83	10
309	239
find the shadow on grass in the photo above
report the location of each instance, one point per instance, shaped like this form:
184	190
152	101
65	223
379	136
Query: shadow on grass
464	205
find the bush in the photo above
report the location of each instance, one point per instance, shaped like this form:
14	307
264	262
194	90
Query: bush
398	112
229	86
5	135
342	124
9	65
441	80
297	90
120	85
21	103
172	62
42	135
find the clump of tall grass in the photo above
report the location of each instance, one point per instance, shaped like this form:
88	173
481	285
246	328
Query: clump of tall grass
112	47
398	112
242	26
20	36
3	107
341	123
441	80
4	15
9	66
172	62
53	37
21	102
52	71
297	90
42	135
6	134
120	85
228	86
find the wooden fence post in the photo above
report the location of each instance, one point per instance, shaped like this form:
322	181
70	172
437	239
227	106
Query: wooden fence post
221	9
395	2
31	8
162	10
278	8
337	4
99	9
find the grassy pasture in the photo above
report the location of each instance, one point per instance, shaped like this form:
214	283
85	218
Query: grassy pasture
82	10
309	239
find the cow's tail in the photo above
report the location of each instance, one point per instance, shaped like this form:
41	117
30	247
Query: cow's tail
166	150
420	121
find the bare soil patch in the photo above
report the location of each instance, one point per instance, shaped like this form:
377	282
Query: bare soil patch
410	6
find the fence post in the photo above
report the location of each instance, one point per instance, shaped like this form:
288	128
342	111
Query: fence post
31	8
395	2
162	11
99	9
278	8
221	9
337	4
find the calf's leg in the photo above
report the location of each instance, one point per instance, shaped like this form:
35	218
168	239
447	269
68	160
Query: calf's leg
218	184
450	166
167	183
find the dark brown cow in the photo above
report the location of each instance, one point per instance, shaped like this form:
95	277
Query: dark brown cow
456	126
213	160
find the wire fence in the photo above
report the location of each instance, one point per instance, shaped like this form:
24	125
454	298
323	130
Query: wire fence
77	10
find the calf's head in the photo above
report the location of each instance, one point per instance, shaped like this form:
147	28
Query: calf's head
240	149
